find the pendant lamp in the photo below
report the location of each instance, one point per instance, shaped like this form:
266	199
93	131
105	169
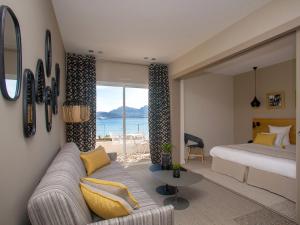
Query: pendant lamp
255	102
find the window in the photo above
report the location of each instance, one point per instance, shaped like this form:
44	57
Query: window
122	121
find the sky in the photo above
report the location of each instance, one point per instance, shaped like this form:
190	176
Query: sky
11	86
109	98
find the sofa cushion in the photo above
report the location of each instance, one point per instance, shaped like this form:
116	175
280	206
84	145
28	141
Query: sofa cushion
95	159
104	204
57	199
112	187
115	172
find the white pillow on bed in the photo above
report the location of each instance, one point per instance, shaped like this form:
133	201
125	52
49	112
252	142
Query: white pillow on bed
283	135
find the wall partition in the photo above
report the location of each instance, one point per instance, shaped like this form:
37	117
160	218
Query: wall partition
298	119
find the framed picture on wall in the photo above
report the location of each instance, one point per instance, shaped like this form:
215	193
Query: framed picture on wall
276	100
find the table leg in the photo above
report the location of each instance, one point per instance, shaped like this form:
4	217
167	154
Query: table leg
166	190
177	202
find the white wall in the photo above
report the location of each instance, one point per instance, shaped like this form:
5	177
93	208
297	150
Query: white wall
279	77
175	118
121	72
23	161
208	109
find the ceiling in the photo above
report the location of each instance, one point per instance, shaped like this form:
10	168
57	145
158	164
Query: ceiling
275	52
129	30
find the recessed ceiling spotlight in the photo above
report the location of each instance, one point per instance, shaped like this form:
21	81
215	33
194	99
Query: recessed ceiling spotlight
146	58
153	59
100	52
91	51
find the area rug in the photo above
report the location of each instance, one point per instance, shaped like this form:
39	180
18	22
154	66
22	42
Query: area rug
263	217
210	203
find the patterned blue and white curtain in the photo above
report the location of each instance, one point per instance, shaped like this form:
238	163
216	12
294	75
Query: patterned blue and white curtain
81	87
159	110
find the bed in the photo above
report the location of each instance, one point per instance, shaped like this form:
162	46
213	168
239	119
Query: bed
269	167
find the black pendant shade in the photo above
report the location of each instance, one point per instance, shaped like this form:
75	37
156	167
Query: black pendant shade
255	102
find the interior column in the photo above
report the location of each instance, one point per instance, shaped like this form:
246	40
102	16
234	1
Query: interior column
298	120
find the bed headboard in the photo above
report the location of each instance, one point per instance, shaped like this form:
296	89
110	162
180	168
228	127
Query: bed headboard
261	125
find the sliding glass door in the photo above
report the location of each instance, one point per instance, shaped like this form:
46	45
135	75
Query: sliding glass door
122	121
136	124
109	121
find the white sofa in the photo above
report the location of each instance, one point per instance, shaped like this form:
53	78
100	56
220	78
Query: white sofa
57	200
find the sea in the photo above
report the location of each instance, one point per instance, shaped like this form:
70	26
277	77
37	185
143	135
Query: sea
114	126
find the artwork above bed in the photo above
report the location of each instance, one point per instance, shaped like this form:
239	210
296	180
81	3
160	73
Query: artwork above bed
262	125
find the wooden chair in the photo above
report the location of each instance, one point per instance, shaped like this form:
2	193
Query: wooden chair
196	148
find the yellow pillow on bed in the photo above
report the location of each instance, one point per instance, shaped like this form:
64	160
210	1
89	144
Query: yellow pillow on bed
265	139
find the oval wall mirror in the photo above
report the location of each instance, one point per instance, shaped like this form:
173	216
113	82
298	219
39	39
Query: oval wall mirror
29	111
57	77
10	54
48	53
54	96
48	108
40	82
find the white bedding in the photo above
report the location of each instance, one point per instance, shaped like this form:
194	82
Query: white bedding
285	167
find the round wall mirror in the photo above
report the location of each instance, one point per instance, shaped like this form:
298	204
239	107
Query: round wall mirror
40	82
10	54
57	77
48	108
48	53
54	96
29	110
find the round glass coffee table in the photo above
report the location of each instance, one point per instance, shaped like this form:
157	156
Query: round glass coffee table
162	189
186	179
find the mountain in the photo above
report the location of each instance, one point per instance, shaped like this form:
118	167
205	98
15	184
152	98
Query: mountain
130	113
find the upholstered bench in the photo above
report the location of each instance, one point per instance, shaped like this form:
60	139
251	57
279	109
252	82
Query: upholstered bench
57	200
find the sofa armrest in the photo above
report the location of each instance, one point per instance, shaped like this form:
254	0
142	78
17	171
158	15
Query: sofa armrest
157	216
113	156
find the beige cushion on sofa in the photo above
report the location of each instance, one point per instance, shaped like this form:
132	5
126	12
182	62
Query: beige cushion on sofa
115	188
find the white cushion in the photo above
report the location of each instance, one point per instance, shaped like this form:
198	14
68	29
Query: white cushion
283	135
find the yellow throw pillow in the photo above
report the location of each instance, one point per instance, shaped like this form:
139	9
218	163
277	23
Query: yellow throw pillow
94	160
265	139
104	204
115	188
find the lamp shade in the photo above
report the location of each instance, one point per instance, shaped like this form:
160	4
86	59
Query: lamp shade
75	112
255	103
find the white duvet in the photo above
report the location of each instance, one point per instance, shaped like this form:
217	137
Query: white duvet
282	166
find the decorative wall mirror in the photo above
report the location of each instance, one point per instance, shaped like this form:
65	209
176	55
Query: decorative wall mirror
48	108
40	82
57	77
54	96
48	53
29	111
10	54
